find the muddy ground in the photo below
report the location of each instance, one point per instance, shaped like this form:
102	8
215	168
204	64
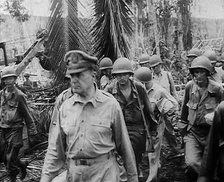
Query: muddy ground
172	166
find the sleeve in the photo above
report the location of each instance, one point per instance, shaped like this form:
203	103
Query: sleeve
148	110
184	109
170	104
55	156
211	152
23	107
55	112
172	87
123	144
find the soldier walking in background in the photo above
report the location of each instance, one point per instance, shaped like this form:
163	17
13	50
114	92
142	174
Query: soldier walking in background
216	73
163	105
105	68
202	95
144	60
13	112
192	54
128	93
89	128
165	79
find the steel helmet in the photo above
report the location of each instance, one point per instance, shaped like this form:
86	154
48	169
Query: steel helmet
8	71
211	55
155	60
122	65
144	58
143	74
201	62
195	52
106	63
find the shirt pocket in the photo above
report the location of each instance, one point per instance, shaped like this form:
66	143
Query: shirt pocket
10	112
99	130
210	107
192	111
191	105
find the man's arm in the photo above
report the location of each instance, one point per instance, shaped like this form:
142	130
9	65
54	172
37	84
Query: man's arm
55	157
123	144
148	110
211	152
171	104
172	86
31	127
184	109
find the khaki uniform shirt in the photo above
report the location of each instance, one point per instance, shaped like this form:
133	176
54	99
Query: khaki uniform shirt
88	130
195	106
66	94
165	80
165	102
14	111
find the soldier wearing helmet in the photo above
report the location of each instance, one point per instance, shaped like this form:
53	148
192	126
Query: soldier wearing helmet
201	97
165	79
192	54
162	77
89	128
127	91
14	112
164	105
105	67
27	84
216	74
144	60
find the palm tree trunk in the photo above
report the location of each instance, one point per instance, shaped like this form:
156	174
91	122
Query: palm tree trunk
155	25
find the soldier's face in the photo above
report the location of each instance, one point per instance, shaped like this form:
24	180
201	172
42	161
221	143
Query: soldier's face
123	78
156	69
82	82
9	81
106	72
200	76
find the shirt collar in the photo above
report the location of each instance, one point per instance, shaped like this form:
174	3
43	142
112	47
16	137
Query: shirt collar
133	88
98	98
211	88
11	93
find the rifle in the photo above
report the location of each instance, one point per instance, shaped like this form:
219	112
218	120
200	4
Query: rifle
150	148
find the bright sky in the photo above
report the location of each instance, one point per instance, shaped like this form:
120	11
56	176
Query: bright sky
208	8
201	8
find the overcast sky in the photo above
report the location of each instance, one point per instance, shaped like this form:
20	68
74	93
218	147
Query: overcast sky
201	8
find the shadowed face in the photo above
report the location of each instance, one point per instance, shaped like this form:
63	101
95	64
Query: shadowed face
200	76
9	81
82	82
156	69
122	78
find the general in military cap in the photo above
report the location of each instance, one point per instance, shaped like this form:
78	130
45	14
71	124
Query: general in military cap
78	61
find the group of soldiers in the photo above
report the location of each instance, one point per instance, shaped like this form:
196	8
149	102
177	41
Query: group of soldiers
100	132
145	100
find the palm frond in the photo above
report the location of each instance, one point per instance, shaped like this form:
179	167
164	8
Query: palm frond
66	32
111	29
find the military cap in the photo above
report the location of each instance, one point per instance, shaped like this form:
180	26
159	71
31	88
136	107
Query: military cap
78	61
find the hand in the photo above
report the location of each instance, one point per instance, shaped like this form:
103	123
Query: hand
182	127
202	179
